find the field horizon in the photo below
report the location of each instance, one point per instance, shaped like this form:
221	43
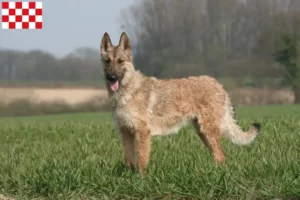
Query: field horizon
37	100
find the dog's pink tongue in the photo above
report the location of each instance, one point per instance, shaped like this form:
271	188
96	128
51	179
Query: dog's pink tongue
114	86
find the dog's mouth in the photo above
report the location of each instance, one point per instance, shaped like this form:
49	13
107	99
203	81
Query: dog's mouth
113	82
114	85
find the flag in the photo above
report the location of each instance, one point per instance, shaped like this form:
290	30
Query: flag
22	15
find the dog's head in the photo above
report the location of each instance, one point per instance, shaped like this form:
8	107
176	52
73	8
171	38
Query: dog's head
117	60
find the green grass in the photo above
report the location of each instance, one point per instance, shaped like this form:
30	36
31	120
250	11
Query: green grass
79	156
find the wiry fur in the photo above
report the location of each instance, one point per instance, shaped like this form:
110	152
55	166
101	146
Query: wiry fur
146	106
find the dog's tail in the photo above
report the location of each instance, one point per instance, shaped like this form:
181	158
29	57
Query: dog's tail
233	131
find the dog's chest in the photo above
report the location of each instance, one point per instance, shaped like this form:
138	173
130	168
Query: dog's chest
123	117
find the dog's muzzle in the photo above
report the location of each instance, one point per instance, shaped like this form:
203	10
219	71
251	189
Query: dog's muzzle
111	77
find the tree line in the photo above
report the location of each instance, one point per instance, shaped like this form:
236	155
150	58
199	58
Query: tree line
223	38
81	65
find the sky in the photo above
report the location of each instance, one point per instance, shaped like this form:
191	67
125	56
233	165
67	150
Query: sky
69	24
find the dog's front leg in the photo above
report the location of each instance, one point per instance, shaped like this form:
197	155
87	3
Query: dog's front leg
128	140
143	138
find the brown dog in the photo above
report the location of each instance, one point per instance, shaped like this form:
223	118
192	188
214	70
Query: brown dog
145	106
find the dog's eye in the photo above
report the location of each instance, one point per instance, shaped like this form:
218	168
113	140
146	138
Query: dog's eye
120	60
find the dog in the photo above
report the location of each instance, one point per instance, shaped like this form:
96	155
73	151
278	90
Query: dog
144	106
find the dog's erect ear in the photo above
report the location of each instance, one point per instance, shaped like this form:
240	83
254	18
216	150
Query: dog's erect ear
124	42
105	43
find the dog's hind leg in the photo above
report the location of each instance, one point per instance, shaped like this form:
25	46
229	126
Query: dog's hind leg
209	133
128	140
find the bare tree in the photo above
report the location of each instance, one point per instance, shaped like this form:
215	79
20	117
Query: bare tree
183	37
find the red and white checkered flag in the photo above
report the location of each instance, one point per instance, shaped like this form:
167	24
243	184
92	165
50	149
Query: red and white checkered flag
22	15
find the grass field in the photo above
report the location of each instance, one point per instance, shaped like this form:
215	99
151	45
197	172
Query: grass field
79	156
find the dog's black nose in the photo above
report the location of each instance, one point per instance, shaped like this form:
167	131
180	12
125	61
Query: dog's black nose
111	77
